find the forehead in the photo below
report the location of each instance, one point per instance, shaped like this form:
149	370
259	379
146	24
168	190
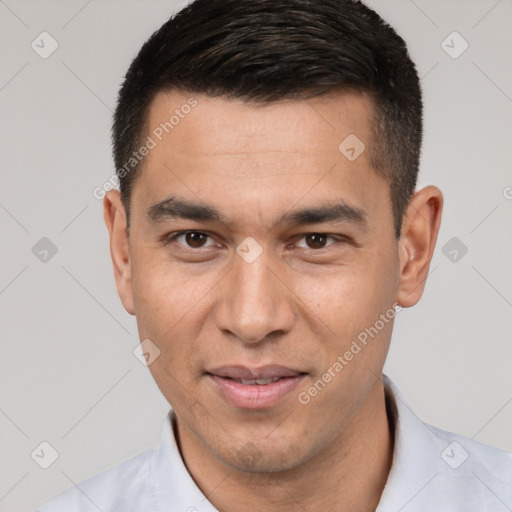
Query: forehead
237	154
216	126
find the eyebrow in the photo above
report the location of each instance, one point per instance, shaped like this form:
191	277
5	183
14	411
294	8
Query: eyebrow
178	208
339	212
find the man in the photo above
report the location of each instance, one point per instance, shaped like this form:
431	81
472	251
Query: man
266	232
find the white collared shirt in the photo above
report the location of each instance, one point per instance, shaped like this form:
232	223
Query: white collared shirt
433	470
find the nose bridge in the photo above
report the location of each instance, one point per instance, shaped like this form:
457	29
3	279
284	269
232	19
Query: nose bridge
254	303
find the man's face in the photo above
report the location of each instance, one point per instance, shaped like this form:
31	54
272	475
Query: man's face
284	303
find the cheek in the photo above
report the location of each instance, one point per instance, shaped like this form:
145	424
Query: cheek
348	298
167	309
164	294
172	305
343	301
156	296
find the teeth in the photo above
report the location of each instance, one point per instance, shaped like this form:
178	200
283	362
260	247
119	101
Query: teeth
260	382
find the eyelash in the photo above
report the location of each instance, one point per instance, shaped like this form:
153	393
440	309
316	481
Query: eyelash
172	237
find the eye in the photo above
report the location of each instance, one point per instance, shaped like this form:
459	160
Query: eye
316	240
192	239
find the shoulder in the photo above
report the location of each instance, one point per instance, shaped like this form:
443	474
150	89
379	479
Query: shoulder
126	486
471	457
437	470
470	473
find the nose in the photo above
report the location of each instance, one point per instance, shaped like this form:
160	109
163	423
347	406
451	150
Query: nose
255	302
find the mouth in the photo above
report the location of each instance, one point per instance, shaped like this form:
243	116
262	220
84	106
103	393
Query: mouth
258	382
254	388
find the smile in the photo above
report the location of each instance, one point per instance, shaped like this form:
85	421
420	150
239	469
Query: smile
258	388
259	382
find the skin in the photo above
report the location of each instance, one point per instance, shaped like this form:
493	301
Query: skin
299	305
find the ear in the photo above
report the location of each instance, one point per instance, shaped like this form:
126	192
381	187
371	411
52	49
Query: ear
114	214
417	242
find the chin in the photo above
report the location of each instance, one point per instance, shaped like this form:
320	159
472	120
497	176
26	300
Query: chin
255	458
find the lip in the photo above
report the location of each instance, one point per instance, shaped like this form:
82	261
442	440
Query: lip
226	381
261	372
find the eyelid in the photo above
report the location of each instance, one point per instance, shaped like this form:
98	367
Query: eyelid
327	235
172	237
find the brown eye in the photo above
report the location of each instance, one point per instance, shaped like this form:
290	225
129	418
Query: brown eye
195	239
191	239
316	240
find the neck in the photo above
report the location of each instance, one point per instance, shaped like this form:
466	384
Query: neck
351	471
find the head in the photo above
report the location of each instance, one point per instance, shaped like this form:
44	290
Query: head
272	217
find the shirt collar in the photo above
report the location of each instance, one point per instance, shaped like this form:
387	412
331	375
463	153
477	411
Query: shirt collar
174	487
415	452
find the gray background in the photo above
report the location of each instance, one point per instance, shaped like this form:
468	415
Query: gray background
68	375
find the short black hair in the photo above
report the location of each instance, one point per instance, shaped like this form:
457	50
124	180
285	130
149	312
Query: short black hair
270	50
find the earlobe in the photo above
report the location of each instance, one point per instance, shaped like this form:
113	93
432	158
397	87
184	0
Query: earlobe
417	242
114	214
